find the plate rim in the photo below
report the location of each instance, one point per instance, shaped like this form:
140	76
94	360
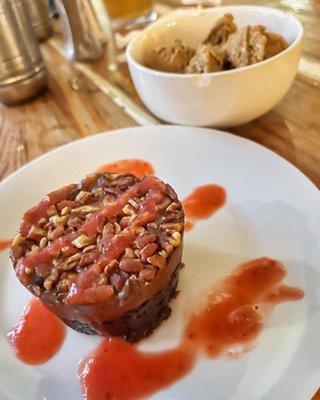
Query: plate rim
202	130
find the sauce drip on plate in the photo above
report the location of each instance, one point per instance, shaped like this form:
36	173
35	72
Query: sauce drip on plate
38	334
234	311
5	244
233	315
202	203
136	167
117	370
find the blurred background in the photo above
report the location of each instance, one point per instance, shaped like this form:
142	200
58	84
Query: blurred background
63	76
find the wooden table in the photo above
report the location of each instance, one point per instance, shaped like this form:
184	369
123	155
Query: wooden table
86	99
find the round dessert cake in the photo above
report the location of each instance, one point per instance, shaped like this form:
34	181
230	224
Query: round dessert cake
104	255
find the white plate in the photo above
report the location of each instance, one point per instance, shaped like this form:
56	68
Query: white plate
272	209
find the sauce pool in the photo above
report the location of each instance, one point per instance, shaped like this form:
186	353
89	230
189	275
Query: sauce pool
203	202
136	167
232	315
38	335
233	312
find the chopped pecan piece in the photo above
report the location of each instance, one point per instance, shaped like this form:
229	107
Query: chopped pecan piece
131	265
148	237
83	241
117	280
147	274
157	260
36	233
148	251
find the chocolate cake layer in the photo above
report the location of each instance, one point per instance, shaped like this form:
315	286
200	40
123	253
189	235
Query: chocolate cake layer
141	321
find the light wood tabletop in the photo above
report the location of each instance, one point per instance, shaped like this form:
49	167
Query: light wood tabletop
84	99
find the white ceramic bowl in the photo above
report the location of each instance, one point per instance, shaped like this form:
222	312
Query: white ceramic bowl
218	99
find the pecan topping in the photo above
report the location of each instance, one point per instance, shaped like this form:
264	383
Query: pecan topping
43	270
52	211
164	205
117	281
67	203
145	239
75	222
36	233
108	229
66	210
58	221
147	274
172	207
129	265
83	210
133	203
83	197
175	240
28	271
52	278
89	248
168	247
113	265
68	250
83	241
126	221
18	240
43	242
157	260
42	222
129	253
148	251
173	226
56	233
128	210
117	228
91	226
